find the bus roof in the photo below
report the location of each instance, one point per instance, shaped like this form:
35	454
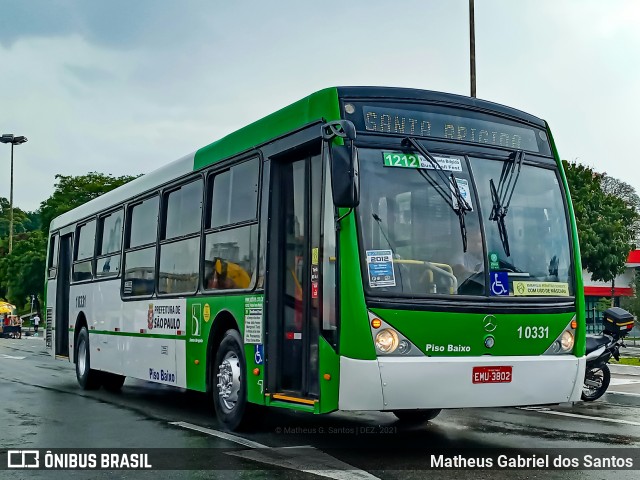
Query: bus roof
430	96
320	105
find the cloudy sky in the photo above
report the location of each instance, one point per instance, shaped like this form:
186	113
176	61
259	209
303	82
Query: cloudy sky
120	86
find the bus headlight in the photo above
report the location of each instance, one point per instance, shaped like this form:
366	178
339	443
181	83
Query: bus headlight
567	340
386	341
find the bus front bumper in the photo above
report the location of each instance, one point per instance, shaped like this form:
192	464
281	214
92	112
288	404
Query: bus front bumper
396	383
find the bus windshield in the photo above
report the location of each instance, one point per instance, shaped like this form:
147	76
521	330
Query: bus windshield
413	242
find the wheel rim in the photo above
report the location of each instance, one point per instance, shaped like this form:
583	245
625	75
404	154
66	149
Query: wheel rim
593	382
82	357
229	381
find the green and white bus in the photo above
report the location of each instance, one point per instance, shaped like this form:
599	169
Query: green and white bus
364	248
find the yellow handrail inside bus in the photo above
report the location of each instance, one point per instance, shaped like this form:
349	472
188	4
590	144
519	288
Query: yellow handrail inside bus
442	268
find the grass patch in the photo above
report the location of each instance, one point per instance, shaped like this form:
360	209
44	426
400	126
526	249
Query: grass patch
627	361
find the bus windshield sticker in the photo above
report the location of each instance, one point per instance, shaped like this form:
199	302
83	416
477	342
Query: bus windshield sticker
380	268
550	289
315	276
411	160
494	261
500	284
463	186
253	320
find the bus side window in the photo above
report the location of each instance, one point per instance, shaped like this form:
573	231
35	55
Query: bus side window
180	239
83	258
54	243
140	256
109	244
231	240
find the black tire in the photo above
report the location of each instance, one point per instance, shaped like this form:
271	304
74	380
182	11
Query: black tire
601	375
230	404
87	378
416	416
112	382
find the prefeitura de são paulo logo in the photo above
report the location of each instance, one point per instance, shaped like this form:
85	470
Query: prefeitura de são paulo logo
150	317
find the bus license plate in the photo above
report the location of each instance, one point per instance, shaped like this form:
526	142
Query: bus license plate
492	374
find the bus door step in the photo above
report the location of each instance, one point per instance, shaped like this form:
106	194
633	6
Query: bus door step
289	398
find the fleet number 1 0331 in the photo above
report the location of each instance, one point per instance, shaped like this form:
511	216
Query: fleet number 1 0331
533	332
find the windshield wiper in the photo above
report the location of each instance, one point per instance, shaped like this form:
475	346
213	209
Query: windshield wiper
461	206
501	196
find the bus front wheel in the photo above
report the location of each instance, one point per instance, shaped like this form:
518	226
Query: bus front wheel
229	383
87	378
416	416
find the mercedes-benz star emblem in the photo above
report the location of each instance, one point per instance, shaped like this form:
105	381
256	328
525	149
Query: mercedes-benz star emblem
489	323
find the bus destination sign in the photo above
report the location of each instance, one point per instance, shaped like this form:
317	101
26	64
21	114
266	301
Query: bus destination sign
454	127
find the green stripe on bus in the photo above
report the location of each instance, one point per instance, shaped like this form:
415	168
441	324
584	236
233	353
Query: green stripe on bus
134	334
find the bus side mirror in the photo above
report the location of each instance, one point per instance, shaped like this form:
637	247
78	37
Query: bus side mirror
345	178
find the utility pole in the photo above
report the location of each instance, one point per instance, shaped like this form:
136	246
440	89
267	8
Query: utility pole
472	48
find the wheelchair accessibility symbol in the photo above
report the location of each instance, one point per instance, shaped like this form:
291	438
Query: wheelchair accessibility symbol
258	357
500	284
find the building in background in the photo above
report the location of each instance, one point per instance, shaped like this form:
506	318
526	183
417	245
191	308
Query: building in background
595	291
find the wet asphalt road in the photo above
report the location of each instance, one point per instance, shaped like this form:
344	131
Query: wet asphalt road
41	406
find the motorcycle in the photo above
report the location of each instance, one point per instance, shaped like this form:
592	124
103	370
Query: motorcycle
600	348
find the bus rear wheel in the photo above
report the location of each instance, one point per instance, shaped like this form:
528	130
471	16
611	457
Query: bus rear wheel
229	383
416	416
112	382
87	378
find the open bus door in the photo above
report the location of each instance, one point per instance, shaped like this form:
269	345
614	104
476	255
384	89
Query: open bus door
62	296
294	321
301	289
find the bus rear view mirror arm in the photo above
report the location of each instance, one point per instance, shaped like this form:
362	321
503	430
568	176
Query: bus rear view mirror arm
345	179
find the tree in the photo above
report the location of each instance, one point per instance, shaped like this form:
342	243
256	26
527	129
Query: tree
625	192
72	191
606	223
22	271
22	222
620	189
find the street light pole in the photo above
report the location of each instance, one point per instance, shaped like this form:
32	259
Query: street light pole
472	48
13	140
11	204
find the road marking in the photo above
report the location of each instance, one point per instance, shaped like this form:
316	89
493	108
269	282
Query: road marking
11	357
625	393
625	370
305	458
622	381
577	415
219	434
